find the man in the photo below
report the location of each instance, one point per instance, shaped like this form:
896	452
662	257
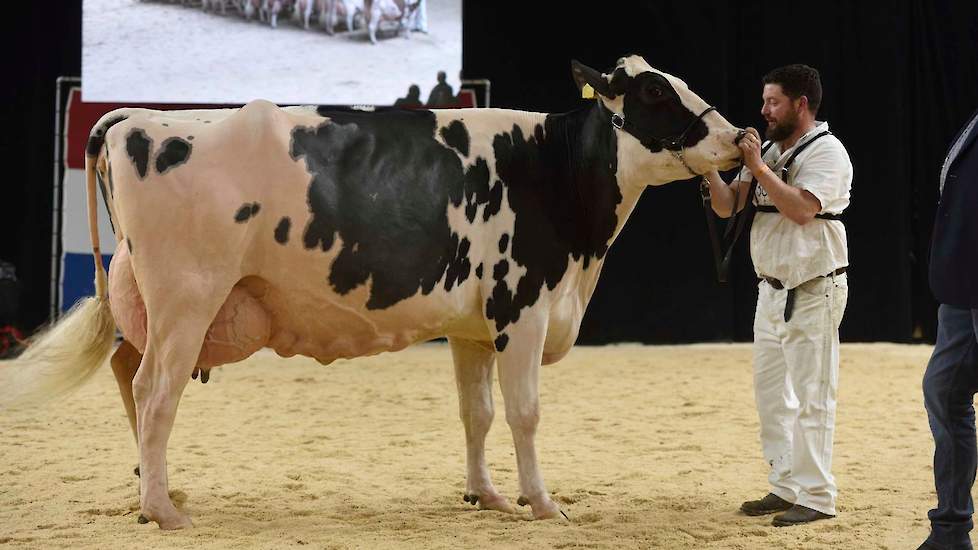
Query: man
951	379
441	95
798	246
412	99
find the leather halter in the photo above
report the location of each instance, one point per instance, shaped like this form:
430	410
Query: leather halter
674	144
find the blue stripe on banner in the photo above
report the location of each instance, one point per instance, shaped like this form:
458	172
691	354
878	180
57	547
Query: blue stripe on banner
78	277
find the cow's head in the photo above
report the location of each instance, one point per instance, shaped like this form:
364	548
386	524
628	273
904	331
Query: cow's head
669	136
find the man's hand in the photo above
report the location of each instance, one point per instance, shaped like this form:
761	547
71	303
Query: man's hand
750	148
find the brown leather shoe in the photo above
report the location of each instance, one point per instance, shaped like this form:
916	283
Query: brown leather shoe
768	505
798	514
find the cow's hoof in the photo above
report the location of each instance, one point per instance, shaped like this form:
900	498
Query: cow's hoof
490	501
543	508
176	520
181	522
497	503
136	471
548	510
142	520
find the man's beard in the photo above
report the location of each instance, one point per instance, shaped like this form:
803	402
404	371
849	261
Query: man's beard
782	130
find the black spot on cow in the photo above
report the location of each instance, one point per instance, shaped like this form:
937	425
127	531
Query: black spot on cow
501	342
382	182
476	187
656	114
246	212
500	270
190	138
456	137
174	152
282	230
503	243
562	188
478	271
243	213
495	201
501	304
97	137
460	266
137	147
165	125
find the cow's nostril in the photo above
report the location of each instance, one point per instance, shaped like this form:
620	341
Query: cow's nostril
740	136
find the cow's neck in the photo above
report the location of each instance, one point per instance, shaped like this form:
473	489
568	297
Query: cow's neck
602	172
582	150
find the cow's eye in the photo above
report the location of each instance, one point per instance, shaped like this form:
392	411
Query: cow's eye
651	93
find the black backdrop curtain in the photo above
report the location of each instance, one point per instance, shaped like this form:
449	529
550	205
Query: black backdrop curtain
899	78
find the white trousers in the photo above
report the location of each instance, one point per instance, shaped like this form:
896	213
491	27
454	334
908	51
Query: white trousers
796	375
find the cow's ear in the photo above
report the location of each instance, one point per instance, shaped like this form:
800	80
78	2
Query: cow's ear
586	75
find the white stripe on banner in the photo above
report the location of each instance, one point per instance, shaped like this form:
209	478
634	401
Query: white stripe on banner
74	217
77	271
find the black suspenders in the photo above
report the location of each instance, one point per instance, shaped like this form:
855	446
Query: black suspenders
743	218
784	177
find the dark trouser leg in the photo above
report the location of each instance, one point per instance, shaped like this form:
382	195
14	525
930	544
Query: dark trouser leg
950	383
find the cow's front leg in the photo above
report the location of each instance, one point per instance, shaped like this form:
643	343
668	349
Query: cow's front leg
519	353
473	374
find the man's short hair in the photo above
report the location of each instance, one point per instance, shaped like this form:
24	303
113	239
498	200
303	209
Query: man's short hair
798	80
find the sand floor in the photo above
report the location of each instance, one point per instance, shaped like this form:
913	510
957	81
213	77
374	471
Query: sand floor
643	447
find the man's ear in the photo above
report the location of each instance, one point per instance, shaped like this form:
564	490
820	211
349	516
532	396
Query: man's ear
803	102
586	75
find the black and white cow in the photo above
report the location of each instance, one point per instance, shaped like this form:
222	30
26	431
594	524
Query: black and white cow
333	11
343	234
399	12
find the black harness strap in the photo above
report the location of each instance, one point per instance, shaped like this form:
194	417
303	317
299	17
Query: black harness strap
770	209
734	228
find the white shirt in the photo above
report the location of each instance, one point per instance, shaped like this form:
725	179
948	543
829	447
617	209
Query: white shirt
792	253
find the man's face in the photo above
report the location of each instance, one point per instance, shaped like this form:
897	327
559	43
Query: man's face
780	112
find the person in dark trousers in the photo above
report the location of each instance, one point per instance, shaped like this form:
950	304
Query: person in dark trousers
951	379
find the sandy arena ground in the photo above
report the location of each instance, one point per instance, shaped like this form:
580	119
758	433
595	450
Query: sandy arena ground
643	447
141	51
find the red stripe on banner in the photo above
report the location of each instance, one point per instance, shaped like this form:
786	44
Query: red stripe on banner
80	116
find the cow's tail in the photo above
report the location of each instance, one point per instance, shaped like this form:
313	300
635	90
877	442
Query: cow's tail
62	357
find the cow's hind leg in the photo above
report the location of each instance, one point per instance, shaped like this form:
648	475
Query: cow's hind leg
519	354
176	326
473	374
125	363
